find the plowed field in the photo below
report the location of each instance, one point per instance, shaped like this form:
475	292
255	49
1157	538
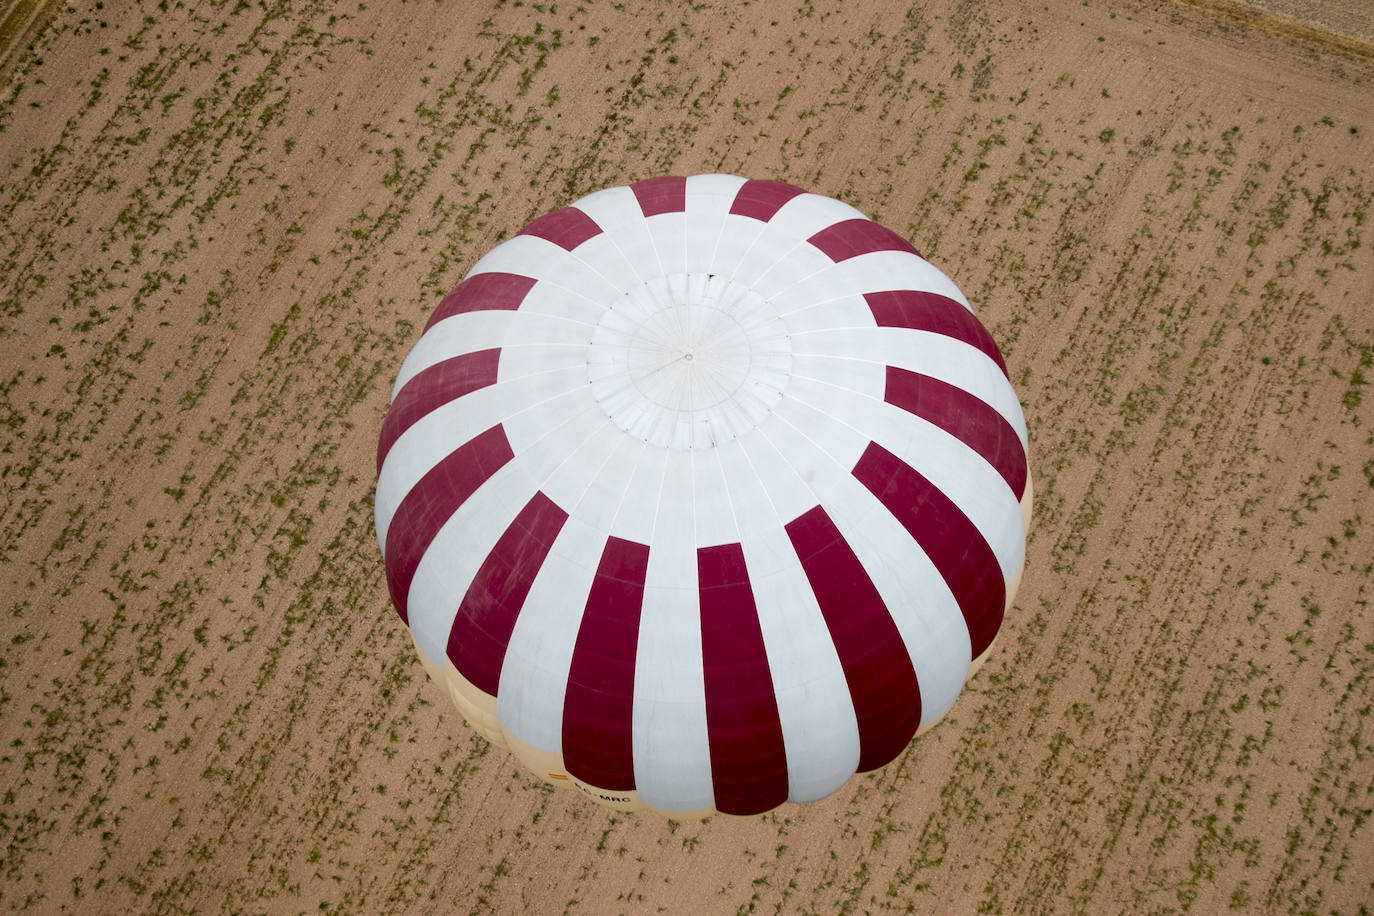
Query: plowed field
222	224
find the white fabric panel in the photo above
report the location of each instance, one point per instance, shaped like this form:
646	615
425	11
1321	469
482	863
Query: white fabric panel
817	379
568	483
623	401
643	483
703	190
674	288
438	433
715	516
533	422
939	357
550	300
531	256
770	381
671	750
974	485
538	358
454	556
619	329
807	214
617	211
709	198
465	540
820	288
922	607
613	209
604	255
553	300
472	332
847	311
751	504
697	289
802	263
469	332
674	517
819	731
669	231
742	304
532	390
829	436
599	503
534	674
738	235
936	355
775	244
971	483
560	433
651	306
880	271
639	252
784	479
672	755
925	611
539	452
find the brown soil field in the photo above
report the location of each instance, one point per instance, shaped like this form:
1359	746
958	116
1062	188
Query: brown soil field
222	225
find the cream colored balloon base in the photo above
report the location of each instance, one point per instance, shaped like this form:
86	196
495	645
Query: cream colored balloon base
1015	583
479	708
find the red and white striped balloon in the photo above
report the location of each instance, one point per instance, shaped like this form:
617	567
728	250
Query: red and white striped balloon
703	494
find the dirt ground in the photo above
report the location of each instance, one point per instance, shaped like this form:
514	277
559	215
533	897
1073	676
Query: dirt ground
222	226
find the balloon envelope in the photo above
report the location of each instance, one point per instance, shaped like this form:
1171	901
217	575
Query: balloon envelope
703	494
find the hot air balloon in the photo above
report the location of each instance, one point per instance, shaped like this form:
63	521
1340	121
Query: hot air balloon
703	494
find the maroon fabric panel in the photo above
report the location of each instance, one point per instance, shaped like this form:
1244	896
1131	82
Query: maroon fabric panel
566	228
909	308
852	237
953	543
762	199
481	630
882	682
494	291
434	387
963	416
432	501
661	195
748	762
598	746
